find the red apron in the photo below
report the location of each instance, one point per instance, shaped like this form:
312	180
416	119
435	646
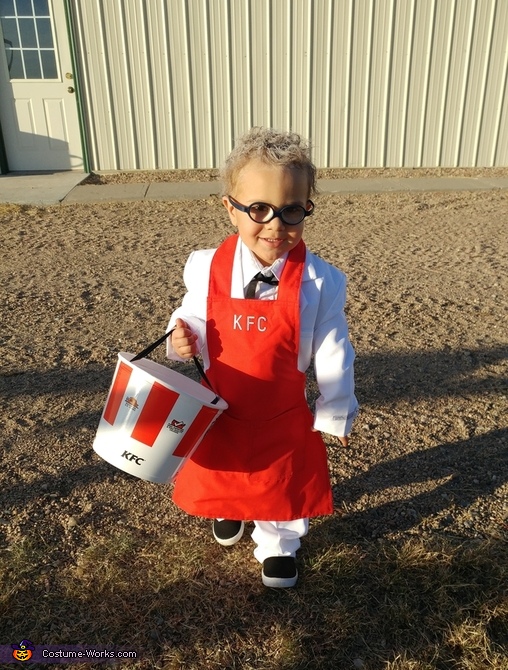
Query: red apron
260	460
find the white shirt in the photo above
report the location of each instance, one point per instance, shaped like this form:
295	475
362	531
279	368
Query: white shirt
323	326
251	266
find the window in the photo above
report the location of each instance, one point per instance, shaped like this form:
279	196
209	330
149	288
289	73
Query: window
28	39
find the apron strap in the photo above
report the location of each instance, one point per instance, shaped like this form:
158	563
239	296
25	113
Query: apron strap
220	282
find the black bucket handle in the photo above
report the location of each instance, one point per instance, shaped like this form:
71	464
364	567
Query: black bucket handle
154	345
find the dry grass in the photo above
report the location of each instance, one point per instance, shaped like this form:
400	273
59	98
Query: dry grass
180	604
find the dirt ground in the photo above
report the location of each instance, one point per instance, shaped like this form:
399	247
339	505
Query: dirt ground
428	318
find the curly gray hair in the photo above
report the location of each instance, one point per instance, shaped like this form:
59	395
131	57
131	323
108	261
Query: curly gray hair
274	147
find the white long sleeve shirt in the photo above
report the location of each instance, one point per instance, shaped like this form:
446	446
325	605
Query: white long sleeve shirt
323	326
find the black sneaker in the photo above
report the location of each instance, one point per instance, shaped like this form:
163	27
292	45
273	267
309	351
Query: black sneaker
227	532
279	572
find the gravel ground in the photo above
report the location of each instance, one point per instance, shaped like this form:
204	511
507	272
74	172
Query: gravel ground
141	176
427	312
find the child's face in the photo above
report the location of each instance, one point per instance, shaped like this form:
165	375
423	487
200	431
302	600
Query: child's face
275	186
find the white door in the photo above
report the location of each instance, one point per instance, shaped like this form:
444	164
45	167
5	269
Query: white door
38	110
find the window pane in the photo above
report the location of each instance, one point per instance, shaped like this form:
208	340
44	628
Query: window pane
27	33
10	31
49	70
44	32
15	64
7	8
24	7
41	8
32	65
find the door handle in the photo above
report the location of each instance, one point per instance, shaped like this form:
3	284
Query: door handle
70	89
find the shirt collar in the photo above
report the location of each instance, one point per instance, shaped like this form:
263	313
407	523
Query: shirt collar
251	265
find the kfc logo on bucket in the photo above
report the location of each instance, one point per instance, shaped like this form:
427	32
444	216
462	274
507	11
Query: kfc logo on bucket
176	426
132	457
132	403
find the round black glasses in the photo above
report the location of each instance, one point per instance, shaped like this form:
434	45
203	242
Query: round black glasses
261	212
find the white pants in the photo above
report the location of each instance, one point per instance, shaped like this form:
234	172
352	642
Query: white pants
278	538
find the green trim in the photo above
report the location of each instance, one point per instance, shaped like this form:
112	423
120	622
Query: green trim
4	165
77	85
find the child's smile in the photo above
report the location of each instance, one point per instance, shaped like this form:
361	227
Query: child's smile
273	241
279	188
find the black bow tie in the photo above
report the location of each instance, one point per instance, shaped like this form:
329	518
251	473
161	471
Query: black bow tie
252	285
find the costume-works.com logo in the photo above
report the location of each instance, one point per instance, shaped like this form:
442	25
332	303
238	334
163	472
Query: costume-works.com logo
23	651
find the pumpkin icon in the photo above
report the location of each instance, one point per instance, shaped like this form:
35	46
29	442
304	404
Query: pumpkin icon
22	651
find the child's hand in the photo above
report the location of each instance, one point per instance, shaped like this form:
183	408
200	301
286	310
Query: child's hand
184	340
343	440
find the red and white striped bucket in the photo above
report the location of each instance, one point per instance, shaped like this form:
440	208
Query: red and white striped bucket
154	419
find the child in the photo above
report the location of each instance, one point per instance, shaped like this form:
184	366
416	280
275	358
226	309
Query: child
264	458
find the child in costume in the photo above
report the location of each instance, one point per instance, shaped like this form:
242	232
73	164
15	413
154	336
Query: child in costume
257	309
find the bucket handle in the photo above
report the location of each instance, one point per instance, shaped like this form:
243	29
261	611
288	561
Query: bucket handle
154	345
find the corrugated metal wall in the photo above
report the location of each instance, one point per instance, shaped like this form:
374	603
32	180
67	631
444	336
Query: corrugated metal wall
373	83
